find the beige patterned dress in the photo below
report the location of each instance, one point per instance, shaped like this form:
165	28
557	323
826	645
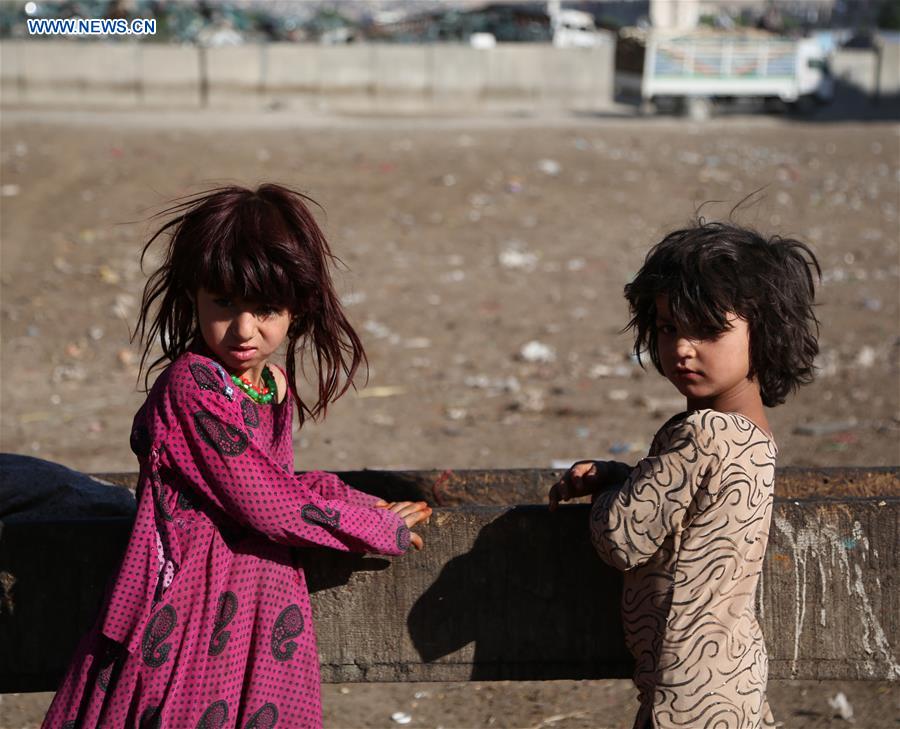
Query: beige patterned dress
689	528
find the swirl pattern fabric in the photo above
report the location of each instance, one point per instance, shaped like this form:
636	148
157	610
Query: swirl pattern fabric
208	618
689	528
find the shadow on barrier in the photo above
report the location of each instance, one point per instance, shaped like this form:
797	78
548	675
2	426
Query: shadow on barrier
519	604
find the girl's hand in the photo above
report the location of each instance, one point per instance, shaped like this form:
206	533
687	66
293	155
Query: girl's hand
585	478
412	512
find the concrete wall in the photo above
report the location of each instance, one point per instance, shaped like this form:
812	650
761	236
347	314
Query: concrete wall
131	74
504	592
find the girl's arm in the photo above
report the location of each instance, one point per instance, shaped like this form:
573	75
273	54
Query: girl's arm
629	524
209	445
332	488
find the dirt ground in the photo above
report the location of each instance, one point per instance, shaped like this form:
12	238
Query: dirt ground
485	265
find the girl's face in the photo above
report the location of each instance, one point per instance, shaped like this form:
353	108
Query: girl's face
242	334
708	372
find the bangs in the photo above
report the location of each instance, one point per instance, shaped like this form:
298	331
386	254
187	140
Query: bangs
247	255
700	307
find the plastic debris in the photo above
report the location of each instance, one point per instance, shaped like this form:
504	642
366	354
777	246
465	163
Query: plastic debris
604	370
536	351
353	298
549	167
841	706
865	358
381	391
827	428
401	717
454	276
514	256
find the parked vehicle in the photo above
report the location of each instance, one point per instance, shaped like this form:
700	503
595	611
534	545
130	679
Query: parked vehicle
691	71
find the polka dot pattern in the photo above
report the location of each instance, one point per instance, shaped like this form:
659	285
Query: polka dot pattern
208	622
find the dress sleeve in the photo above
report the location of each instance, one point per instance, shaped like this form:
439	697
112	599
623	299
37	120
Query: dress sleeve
331	487
629	524
207	443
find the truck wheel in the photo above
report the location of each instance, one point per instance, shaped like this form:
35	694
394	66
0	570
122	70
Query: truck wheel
803	106
698	108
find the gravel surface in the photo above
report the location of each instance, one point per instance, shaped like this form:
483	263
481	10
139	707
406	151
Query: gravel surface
485	265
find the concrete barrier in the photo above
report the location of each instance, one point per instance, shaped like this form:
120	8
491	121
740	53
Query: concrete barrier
90	72
502	591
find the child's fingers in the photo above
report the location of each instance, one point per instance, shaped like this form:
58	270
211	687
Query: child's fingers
416	541
380	504
416	517
411	507
397	506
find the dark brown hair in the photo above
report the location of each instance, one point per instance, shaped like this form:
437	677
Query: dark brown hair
263	246
711	269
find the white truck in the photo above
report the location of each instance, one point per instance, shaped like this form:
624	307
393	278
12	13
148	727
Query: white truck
693	70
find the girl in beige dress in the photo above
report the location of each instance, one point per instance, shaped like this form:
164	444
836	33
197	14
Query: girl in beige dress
726	316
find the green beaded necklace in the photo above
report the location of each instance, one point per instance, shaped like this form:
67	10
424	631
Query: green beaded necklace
264	396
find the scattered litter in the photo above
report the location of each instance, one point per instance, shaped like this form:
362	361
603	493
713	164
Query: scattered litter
381	419
448	180
401	717
381	391
514	185
514	256
422	695
457	413
122	305
826	428
353	298
826	363
68	373
529	400
604	370
9	190
493	384
841	706
662	405
549	167
376	329
108	275
125	357
535	351
344	690
575	264
617	395
618	448
417	343
865	358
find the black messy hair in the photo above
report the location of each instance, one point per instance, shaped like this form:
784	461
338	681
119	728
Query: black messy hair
711	269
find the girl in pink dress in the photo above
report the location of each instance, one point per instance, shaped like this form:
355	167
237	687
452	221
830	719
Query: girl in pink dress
726	316
208	624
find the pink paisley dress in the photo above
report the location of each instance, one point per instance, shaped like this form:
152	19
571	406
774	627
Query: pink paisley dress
207	624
